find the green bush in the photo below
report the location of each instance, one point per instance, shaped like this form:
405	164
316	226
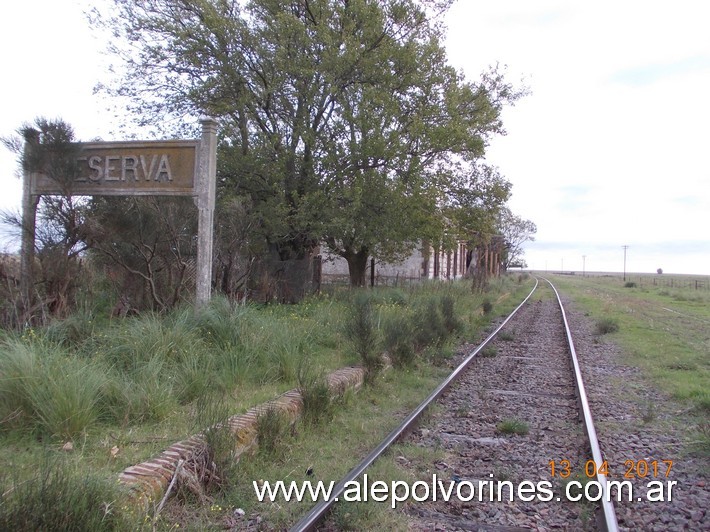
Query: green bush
318	406
398	340
361	331
430	329
487	306
272	430
448	312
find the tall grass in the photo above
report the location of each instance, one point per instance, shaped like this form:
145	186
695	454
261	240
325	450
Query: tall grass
57	499
44	390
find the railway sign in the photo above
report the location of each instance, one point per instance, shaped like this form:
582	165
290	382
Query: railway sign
128	168
164	168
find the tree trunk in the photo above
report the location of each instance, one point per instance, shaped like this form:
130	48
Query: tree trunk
357	266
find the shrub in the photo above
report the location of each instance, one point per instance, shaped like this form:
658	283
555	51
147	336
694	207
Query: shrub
487	306
398	337
315	393
66	401
19	369
361	330
272	428
606	326
429	325
448	311
216	323
630	284
214	467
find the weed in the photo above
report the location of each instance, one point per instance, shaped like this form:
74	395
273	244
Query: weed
649	414
272	428
506	336
702	444
216	465
629	284
488	352
606	326
487	306
513	426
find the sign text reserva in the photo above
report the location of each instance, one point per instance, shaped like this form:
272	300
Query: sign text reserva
129	168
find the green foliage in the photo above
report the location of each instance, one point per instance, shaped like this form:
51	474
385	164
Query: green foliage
516	231
629	284
217	467
506	336
72	331
342	124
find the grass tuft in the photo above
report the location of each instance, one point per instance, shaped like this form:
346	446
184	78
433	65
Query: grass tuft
606	326
513	426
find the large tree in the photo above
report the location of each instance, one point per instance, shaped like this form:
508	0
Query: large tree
339	117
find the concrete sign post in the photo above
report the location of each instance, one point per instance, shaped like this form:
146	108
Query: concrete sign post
152	168
205	189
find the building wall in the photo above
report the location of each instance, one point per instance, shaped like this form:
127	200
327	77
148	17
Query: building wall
453	264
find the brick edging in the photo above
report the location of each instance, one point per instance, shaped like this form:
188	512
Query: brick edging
149	480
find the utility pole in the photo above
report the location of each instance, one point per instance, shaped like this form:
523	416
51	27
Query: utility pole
584	258
625	248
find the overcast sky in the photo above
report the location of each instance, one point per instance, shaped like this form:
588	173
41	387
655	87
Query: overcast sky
609	149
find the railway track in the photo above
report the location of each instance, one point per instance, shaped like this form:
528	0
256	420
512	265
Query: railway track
516	431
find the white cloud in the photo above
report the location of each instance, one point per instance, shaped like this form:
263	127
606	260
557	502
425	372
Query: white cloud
609	147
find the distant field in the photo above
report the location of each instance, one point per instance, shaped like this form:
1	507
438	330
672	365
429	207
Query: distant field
664	325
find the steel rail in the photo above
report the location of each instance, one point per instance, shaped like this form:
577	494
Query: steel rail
610	522
313	517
